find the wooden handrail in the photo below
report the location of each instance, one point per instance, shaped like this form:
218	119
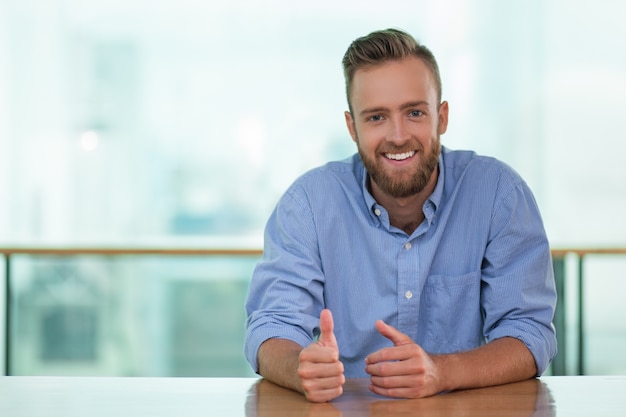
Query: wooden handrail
129	251
560	252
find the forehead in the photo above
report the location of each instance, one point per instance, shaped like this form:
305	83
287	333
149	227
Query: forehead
393	82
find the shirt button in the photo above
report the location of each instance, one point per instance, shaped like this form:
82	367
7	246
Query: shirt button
377	212
407	246
408	295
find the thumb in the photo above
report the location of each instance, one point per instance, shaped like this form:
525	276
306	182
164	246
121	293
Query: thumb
396	336
327	336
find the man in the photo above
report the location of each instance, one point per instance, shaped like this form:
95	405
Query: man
426	269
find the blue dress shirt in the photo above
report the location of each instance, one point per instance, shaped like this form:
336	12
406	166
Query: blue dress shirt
478	268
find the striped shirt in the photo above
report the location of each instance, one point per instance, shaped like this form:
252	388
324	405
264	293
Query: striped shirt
477	268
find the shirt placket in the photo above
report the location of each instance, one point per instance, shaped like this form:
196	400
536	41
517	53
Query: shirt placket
408	289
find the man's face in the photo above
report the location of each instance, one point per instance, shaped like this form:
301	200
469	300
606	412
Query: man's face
396	123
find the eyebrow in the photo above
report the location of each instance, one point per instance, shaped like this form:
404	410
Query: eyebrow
404	106
414	104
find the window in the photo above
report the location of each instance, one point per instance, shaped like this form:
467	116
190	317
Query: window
126	122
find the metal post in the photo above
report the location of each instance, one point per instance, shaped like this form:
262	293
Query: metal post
581	319
7	314
559	364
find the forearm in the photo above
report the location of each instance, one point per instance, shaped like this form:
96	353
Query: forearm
278	362
314	371
498	362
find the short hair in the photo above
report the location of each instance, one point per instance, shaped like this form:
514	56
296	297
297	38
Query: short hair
383	46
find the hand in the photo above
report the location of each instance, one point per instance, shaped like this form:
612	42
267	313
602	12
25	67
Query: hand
404	370
320	370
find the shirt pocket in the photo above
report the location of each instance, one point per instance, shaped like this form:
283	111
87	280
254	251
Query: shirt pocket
451	313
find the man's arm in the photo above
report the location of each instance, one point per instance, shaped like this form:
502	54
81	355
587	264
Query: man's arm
278	362
407	371
498	362
314	371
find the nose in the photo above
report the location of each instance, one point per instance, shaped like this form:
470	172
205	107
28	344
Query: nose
398	133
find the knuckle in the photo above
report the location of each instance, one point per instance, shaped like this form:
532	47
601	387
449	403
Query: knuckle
381	381
415	351
418	388
387	382
416	393
307	385
304	372
304	355
383	368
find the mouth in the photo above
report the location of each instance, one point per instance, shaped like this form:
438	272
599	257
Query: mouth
399	156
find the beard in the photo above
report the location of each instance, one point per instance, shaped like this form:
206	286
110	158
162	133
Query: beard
405	183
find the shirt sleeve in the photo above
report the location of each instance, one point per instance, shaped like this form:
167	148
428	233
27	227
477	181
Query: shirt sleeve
286	292
518	291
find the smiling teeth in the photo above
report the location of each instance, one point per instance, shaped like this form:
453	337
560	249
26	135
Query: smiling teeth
399	156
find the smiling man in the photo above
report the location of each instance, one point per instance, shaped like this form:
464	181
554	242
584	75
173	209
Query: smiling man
422	268
397	121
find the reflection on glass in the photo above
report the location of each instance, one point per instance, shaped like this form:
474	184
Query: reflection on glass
128	316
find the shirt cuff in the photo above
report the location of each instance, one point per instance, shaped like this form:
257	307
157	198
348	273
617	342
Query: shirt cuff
262	332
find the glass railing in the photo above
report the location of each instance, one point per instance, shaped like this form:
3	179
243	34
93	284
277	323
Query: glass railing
591	331
126	311
179	312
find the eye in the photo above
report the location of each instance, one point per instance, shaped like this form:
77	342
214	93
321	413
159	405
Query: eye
375	118
416	113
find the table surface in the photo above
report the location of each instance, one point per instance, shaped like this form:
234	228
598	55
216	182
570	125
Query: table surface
225	397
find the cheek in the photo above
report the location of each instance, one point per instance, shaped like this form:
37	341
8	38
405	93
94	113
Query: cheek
429	131
368	141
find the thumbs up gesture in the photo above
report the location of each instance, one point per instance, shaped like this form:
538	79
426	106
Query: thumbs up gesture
320	370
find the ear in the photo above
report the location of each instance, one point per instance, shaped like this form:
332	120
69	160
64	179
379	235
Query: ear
443	118
350	125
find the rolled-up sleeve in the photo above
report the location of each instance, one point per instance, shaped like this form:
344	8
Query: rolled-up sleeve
518	291
286	292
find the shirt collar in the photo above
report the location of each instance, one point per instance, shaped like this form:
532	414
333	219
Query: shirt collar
437	194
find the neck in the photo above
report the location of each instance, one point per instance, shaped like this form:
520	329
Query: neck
405	213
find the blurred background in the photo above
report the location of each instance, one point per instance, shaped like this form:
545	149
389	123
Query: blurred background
180	123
